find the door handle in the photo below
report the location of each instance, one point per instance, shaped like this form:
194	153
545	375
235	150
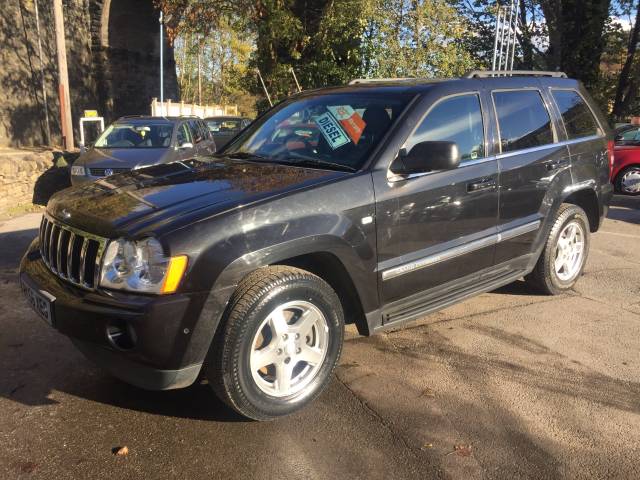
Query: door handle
556	164
481	186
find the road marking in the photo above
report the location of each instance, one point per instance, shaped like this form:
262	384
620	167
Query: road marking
619	234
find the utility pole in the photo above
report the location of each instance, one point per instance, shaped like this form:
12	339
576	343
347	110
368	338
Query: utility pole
42	78
63	77
161	64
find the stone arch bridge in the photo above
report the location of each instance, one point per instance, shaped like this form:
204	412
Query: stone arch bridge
113	61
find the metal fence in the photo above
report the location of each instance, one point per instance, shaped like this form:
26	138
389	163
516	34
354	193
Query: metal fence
179	109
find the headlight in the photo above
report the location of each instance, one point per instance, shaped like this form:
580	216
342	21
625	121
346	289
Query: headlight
141	266
77	170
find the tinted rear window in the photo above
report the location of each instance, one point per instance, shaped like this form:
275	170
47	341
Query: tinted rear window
523	119
578	119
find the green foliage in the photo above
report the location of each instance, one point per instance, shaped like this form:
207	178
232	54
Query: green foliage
417	38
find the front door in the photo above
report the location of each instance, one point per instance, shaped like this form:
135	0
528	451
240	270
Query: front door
436	228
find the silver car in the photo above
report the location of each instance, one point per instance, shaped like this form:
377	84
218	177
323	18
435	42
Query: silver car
135	142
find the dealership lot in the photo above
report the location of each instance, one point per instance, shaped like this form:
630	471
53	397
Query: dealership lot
506	385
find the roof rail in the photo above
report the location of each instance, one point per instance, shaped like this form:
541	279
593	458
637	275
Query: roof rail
375	80
512	73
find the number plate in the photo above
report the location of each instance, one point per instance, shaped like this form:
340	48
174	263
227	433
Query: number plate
40	301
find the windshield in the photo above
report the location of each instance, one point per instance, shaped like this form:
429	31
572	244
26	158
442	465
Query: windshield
138	135
628	136
226	125
328	131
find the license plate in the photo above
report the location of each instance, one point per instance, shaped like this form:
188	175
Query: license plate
40	301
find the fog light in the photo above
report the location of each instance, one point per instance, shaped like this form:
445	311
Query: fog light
121	335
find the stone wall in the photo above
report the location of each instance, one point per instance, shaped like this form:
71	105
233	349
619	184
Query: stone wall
20	172
112	56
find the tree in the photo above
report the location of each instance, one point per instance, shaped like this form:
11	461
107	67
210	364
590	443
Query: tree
576	36
416	38
628	85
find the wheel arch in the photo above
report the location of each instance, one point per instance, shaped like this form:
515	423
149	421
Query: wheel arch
587	199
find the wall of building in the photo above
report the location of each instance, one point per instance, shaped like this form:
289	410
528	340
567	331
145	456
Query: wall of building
113	62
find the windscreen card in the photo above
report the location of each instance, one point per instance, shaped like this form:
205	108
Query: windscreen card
331	130
350	120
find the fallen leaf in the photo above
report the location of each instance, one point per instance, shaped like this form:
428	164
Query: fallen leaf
462	450
121	451
427	446
428	393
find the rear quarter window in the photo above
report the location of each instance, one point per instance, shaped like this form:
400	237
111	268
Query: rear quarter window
576	115
523	119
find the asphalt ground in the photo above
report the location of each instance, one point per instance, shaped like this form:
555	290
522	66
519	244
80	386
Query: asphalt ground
506	385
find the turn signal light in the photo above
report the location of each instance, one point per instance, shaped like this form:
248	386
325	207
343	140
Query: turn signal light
175	271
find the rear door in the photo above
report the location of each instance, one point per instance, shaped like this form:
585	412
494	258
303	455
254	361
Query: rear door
439	227
529	158
586	138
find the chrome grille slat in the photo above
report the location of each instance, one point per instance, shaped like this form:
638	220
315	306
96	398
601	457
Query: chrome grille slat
50	246
66	250
59	253
72	240
83	254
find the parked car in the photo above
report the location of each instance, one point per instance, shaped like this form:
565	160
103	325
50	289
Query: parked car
224	128
139	141
244	267
626	165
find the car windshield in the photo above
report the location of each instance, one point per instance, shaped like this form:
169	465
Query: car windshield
628	136
335	131
136	135
224	125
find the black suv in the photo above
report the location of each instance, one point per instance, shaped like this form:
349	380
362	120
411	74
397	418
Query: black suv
373	203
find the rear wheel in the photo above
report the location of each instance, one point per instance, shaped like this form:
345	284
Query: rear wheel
565	253
628	181
279	345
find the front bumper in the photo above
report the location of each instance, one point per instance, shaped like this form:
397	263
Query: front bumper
163	353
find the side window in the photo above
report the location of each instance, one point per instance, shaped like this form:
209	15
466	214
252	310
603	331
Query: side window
457	119
523	119
578	119
195	131
631	135
184	135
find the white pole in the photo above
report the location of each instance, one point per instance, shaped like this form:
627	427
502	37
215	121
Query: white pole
503	29
515	33
506	54
161	65
495	41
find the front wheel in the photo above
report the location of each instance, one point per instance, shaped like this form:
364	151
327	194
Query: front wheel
565	252
279	344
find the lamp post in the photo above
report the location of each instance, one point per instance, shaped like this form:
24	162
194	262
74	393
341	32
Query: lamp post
161	63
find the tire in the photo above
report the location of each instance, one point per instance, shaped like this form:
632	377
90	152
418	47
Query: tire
629	173
305	348
546	276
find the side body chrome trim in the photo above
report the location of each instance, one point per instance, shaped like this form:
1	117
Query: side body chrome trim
460	250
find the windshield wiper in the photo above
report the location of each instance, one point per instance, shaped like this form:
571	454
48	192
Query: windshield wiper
313	162
245	156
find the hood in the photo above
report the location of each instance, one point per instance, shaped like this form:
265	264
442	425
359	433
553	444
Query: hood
122	157
126	203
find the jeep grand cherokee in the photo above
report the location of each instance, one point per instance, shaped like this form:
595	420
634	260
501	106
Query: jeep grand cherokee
373	203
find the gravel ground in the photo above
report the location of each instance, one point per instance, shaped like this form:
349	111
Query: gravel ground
507	385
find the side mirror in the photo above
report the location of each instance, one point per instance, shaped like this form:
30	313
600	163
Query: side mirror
427	157
186	145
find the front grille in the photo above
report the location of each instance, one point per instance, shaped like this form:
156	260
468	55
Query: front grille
71	254
101	172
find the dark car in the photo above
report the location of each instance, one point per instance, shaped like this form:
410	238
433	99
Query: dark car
390	201
224	128
135	142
